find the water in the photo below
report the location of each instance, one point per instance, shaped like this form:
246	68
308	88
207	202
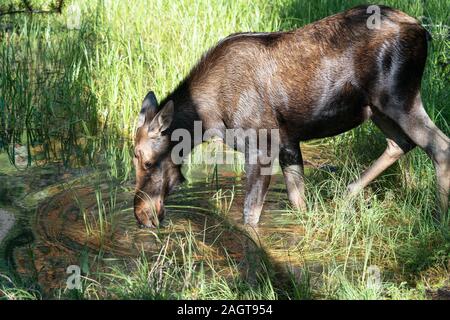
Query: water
59	217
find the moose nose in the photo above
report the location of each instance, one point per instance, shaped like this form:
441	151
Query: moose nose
149	214
152	222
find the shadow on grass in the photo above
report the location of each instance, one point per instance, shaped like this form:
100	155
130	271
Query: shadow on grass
425	251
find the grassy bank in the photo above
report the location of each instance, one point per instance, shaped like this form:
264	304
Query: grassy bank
71	96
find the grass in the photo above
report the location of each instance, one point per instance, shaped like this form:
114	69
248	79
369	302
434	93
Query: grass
177	275
71	96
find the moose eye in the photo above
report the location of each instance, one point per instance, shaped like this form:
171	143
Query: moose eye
148	165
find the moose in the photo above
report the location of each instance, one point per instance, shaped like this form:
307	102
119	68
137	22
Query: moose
314	82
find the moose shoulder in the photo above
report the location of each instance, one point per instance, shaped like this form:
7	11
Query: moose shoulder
318	81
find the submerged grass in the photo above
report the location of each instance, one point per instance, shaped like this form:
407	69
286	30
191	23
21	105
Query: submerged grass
74	95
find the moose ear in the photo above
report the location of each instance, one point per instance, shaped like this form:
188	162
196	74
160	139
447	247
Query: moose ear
163	119
148	110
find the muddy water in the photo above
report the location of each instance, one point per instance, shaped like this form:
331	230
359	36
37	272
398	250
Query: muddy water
53	218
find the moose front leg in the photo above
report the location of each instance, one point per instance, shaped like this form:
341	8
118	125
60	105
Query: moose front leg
291	163
257	184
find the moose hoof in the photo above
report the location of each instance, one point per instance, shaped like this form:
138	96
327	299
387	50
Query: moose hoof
352	190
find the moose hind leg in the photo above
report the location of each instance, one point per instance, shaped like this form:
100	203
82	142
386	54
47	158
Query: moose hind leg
398	144
416	123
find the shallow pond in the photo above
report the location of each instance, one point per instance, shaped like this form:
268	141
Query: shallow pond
52	217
